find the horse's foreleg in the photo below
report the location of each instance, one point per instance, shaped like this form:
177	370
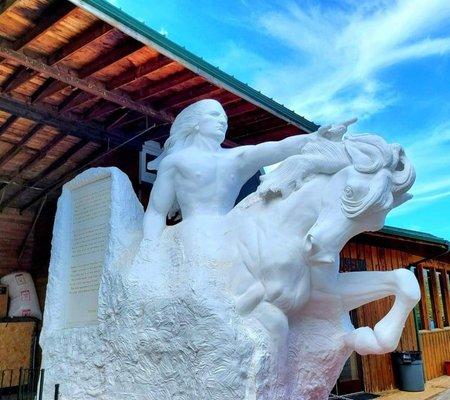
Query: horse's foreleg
359	288
386	333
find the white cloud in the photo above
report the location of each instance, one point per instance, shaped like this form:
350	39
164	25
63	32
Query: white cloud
429	152
337	53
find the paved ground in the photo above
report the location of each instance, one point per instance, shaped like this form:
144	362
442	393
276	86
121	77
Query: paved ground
436	389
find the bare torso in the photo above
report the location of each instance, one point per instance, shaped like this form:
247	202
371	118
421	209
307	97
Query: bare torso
206	183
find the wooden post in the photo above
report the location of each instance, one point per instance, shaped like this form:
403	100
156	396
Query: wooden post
446	293
435	298
423	301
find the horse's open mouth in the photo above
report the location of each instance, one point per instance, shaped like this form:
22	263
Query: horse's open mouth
317	254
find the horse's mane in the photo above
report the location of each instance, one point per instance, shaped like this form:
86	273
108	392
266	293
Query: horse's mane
367	153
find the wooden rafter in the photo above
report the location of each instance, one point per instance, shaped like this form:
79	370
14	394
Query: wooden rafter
47	171
5	5
76	98
240	109
51	85
257	127
134	73
17	78
18	147
162	85
48	88
11	119
189	95
101	109
89	85
95	32
125	49
117	119
49	189
251	117
129	120
39	155
47	116
56	12
269	134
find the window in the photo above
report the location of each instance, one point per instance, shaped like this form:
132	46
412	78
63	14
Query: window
431	310
441	277
417	309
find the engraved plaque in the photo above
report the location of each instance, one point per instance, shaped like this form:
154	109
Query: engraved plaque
89	240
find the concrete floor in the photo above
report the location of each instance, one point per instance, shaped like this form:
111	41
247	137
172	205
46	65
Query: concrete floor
436	389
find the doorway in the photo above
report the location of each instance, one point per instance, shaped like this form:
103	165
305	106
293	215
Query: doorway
351	378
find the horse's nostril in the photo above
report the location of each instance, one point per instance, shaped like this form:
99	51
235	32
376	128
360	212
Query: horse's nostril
309	243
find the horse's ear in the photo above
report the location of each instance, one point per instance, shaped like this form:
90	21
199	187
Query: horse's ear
365	152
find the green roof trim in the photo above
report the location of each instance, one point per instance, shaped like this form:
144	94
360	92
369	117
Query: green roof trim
416	235
196	63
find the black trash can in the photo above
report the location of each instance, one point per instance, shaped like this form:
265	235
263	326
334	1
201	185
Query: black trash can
409	370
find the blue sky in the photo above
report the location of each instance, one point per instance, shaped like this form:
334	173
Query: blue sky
385	61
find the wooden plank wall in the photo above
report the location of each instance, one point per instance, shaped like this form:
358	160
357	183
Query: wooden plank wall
435	345
13	230
378	373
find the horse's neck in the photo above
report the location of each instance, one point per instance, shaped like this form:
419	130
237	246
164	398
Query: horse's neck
300	210
294	214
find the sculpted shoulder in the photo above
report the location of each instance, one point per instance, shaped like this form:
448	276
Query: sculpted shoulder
169	162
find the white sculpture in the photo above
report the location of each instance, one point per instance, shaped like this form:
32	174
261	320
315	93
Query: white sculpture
232	303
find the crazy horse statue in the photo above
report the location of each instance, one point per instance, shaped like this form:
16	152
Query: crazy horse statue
231	303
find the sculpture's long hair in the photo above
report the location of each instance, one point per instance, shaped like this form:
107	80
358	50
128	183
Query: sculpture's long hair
184	125
368	154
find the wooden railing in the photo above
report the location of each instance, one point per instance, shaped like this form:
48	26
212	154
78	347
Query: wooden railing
435	345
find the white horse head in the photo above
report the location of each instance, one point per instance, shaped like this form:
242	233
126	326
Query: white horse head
348	186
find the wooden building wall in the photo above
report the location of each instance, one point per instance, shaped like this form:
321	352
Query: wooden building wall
378	373
14	227
436	350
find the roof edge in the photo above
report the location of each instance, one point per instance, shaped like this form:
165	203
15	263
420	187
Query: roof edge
138	30
415	235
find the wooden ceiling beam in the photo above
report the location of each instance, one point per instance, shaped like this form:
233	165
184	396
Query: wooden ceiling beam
85	38
19	145
66	177
255	128
221	95
155	88
46	171
134	73
89	85
48	88
114	55
270	134
5	5
39	155
75	99
17	78
189	95
57	11
101	109
63	122
239	109
117	119
11	119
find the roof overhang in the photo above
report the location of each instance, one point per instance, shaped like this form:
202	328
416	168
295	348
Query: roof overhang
79	78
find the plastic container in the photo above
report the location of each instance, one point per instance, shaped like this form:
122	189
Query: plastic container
22	294
447	367
409	370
